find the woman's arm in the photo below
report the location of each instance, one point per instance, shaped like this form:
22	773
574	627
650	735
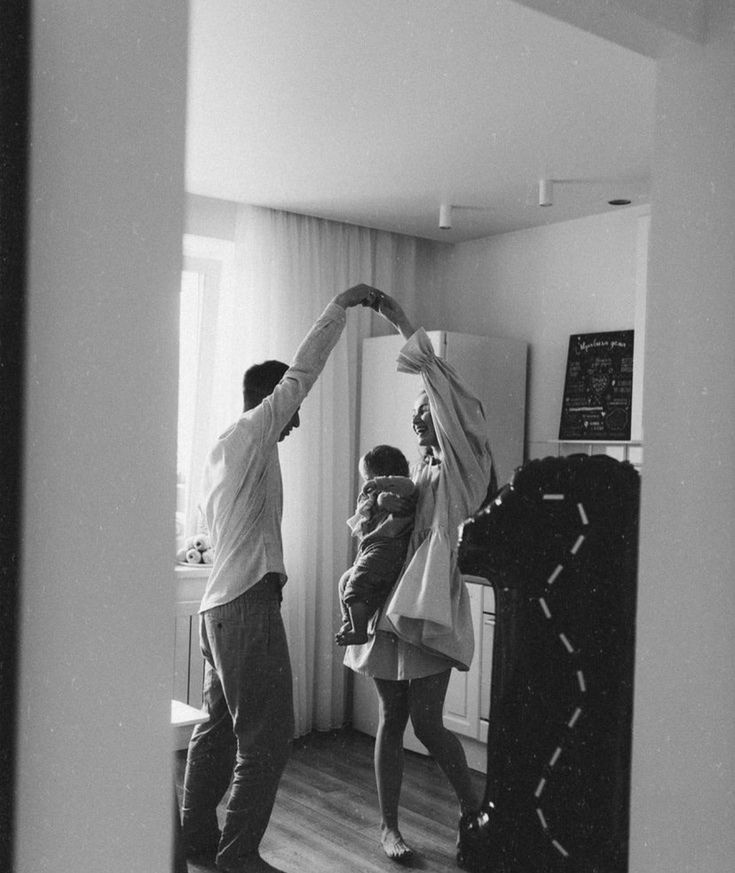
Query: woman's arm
459	421
391	310
458	414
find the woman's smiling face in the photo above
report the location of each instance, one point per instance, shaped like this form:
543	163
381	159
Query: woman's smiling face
423	423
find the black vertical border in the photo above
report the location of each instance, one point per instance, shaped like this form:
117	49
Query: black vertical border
15	61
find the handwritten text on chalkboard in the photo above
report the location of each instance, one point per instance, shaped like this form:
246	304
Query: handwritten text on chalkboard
598	387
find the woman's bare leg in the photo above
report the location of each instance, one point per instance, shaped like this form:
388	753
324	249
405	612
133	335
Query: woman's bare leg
393	699
426	703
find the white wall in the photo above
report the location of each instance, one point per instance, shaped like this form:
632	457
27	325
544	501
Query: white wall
94	782
206	216
683	799
541	285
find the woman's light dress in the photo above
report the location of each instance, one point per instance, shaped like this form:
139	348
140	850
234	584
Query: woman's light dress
425	626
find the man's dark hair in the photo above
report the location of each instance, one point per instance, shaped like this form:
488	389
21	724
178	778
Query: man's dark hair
384	461
260	380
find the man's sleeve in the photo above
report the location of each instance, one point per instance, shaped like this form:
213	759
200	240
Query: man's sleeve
276	410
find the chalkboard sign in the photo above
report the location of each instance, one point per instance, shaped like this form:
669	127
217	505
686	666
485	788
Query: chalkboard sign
598	387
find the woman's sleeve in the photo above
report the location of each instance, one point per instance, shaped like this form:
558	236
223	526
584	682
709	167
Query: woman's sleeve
460	423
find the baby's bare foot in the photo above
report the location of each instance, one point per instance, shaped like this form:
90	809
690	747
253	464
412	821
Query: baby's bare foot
351	638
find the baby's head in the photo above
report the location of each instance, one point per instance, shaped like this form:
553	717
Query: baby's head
383	461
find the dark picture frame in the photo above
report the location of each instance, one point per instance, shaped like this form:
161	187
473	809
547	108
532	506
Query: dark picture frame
598	387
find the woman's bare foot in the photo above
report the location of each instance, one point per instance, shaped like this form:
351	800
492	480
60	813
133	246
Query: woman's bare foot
394	845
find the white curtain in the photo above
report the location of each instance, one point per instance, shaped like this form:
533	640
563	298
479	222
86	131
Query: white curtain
286	268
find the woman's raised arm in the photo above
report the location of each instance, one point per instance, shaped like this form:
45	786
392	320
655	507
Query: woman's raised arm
392	311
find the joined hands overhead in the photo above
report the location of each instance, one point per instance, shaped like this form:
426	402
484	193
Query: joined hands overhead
382	303
357	295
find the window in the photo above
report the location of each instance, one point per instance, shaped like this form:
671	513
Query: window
190	317
204	263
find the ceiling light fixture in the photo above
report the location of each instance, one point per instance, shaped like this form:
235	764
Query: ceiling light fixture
446	211
546	190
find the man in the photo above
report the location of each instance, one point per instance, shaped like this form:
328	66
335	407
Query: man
247	684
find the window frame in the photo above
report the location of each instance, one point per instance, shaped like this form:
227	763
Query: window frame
209	258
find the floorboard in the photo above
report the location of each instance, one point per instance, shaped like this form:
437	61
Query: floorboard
326	815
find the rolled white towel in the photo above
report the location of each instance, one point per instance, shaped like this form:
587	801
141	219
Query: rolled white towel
208	556
193	556
181	556
201	542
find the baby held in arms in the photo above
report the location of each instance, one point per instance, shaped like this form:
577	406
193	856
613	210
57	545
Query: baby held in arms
382	523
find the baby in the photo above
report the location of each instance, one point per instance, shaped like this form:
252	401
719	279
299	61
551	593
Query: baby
383	523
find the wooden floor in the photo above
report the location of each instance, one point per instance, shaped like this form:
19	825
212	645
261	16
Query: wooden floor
326	815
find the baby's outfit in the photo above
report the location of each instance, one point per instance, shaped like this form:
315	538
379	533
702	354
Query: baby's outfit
383	543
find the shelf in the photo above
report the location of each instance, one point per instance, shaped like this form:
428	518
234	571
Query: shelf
593	442
623	450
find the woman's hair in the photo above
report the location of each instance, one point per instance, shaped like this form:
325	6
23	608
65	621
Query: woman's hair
383	461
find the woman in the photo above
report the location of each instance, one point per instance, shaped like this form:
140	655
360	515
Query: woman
425	628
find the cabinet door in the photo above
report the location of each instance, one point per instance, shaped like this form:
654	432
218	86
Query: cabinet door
188	678
188	667
462	704
486	671
182	647
486	657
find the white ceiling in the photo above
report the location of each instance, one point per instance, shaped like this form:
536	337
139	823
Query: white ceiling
374	112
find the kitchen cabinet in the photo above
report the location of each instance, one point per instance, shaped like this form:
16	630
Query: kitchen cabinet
462	703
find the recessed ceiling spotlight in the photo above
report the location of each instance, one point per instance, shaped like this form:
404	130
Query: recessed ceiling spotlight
619	201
